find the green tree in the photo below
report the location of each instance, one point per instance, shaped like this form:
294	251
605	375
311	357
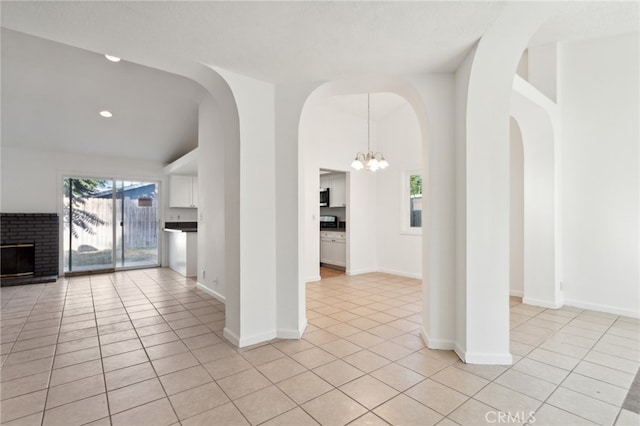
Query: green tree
75	216
415	182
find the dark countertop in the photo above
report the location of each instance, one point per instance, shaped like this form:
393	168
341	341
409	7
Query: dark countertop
181	226
181	230
333	229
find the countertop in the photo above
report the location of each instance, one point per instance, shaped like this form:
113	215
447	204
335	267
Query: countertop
181	226
333	229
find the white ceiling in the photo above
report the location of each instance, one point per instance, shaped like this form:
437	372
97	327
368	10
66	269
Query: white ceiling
52	95
273	41
381	104
282	41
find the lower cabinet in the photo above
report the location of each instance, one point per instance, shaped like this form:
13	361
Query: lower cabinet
183	252
333	248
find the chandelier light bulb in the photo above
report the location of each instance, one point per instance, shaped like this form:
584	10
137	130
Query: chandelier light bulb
371	161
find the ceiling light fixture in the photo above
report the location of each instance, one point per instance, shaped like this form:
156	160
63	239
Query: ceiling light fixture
371	161
106	114
112	58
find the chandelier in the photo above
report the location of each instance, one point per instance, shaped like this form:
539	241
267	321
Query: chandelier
371	161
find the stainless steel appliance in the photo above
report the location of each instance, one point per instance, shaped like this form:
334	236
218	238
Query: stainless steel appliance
328	222
324	197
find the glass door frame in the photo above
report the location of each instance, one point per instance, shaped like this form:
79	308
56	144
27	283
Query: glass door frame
160	216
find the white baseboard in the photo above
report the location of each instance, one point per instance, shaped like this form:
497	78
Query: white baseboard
231	336
542	303
516	293
401	273
484	358
602	308
292	333
211	292
360	271
383	270
442	344
242	342
257	338
312	279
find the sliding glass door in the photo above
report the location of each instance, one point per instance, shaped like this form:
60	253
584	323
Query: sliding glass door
109	224
137	218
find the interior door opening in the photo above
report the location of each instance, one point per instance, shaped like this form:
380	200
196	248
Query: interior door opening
109	224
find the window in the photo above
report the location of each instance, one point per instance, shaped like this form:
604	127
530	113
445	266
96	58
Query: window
412	203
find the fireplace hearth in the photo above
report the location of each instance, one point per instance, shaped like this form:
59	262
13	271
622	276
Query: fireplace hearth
30	248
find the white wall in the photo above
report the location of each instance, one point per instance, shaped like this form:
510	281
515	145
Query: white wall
598	94
538	120
331	139
32	180
516	223
542	71
400	140
255	101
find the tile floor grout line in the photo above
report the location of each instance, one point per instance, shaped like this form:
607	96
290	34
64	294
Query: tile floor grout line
570	371
44	408
187	296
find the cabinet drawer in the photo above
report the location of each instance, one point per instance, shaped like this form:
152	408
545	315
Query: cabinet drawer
334	235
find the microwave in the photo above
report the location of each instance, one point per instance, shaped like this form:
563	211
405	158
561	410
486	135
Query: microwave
324	197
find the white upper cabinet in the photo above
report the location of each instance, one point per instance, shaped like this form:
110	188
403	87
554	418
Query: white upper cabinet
325	181
337	194
336	183
183	191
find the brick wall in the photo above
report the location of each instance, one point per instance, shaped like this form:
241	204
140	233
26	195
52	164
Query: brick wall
40	229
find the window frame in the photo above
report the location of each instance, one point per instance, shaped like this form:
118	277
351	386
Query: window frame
405	226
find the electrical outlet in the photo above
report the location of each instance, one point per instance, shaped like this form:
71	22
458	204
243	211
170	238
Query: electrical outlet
203	274
178	217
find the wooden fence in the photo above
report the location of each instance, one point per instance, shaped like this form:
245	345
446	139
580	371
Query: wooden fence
140	225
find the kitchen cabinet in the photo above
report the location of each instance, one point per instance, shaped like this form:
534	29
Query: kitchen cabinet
183	252
333	248
336	182
183	191
325	181
337	195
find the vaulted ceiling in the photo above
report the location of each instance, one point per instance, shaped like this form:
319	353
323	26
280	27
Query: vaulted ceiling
273	41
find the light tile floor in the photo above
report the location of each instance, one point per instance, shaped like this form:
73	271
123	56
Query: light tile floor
145	348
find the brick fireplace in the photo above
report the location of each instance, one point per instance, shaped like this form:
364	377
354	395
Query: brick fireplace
30	248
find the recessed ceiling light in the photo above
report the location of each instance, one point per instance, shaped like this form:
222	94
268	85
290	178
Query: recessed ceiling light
106	114
112	58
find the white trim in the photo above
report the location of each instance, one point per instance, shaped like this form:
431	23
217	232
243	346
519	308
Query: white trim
211	292
360	271
542	303
405	217
290	333
242	342
442	344
484	358
400	273
257	338
312	279
231	336
516	293
459	351
602	308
